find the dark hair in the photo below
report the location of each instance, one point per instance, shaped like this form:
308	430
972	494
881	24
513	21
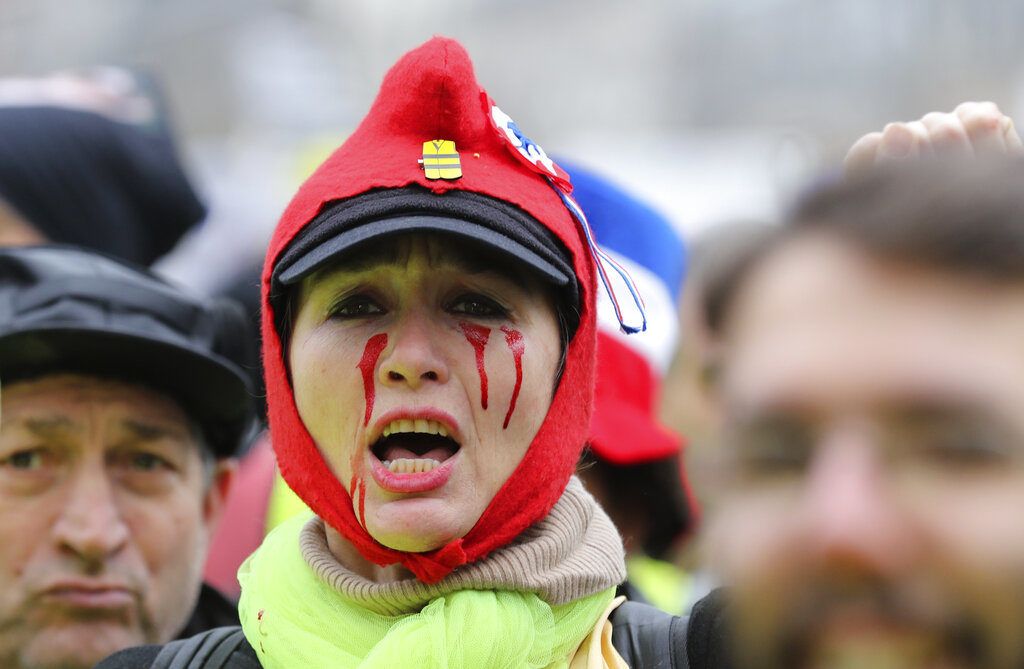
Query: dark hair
649	506
964	218
954	217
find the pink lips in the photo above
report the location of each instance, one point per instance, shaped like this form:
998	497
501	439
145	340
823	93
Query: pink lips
419	481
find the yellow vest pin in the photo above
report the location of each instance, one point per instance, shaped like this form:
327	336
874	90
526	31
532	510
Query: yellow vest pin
441	160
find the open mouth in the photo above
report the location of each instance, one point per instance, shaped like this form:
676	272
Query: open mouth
408	446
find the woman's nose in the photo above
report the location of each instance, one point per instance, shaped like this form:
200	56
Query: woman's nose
416	355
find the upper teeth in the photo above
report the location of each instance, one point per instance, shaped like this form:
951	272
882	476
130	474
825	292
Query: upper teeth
419	425
411	465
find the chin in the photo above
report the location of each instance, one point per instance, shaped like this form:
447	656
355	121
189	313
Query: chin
408	544
416	525
419	541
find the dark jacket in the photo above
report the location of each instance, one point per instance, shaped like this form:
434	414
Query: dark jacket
212	610
645	637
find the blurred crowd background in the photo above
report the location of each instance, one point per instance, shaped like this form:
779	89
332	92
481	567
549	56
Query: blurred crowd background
713	111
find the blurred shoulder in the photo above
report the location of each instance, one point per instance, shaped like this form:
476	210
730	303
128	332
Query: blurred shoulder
646	636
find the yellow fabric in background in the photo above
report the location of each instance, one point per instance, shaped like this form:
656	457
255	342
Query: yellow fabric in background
282	505
662	583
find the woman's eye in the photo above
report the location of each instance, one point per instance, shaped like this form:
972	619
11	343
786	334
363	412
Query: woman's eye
477	306
27	460
358	306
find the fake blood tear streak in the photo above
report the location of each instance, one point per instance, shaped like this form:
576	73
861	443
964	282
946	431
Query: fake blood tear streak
362	502
358	484
375	345
477	335
514	340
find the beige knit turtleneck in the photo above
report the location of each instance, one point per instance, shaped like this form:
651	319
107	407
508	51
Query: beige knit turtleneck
572	553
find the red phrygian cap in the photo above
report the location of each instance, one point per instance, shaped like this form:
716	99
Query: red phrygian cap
430	94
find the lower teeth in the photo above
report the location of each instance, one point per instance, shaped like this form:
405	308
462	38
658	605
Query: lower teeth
411	466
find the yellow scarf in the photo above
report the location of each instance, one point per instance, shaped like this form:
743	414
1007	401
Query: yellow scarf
295	620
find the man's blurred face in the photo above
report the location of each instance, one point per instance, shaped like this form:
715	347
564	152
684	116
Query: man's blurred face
104	520
874	515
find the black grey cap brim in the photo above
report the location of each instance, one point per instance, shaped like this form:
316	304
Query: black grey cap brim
347	240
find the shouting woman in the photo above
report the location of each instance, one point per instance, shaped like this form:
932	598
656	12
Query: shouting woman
429	334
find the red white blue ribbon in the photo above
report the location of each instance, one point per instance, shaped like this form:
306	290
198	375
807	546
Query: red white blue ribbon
531	155
639	322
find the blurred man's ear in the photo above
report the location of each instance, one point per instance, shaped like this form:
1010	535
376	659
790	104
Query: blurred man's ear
217	493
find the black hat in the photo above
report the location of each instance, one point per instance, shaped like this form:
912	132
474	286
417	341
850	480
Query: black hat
64	309
498	225
79	177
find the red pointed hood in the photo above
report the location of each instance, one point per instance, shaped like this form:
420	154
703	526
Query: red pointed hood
432	93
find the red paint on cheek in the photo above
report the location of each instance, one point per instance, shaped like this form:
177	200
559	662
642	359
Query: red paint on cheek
514	340
477	335
375	345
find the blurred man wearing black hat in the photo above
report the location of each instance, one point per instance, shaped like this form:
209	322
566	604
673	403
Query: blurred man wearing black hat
123	401
88	158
